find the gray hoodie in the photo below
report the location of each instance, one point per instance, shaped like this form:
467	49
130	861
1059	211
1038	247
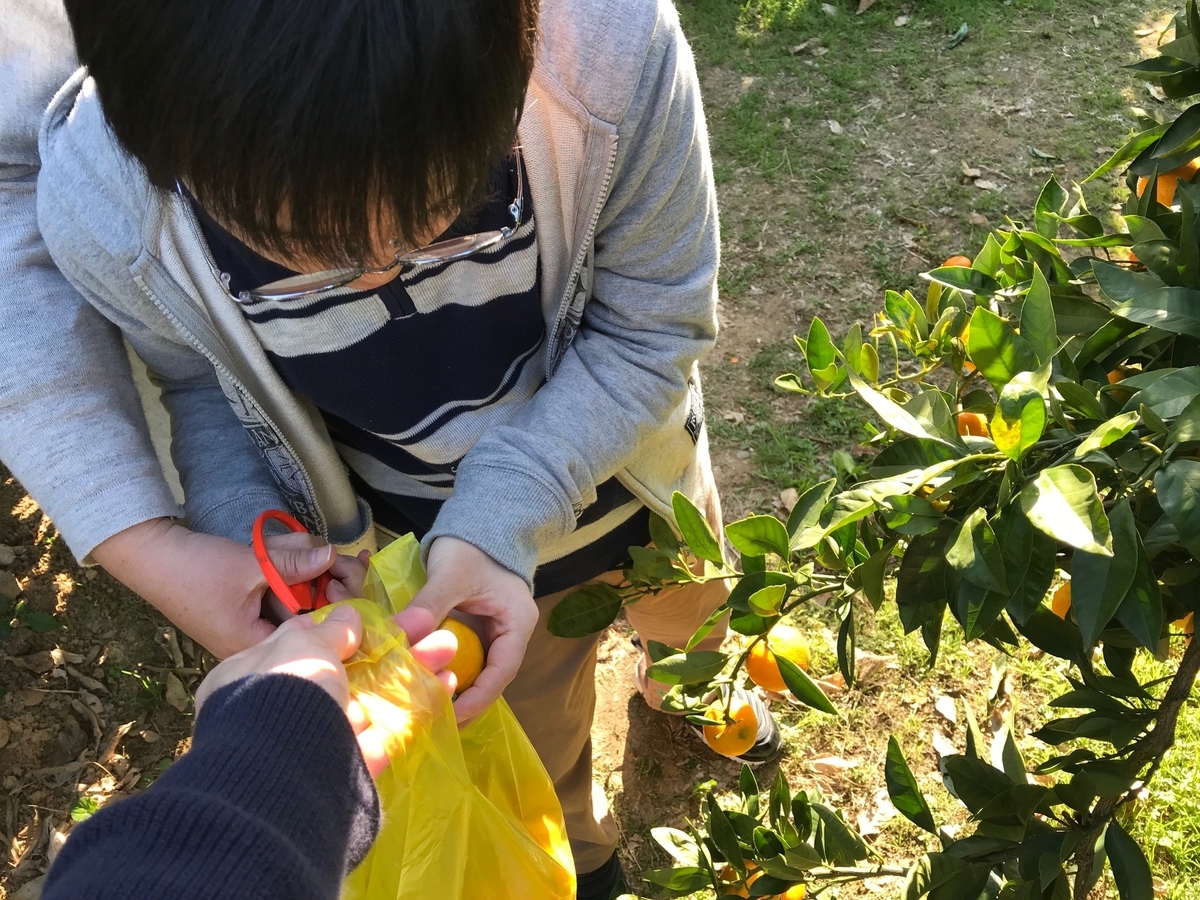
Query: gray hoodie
617	154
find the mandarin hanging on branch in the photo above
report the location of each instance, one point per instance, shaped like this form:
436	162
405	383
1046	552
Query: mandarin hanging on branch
785	641
962	262
1167	182
973	423
1060	603
733	738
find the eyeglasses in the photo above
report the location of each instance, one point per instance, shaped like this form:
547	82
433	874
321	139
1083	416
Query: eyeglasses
300	286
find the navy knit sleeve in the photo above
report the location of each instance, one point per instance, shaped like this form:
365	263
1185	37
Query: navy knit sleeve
273	802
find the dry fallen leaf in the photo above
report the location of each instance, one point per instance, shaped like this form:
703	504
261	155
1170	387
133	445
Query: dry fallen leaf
901	21
789	497
871	824
970	171
864	5
942	745
800	48
946	708
985	185
737	418
829	9
833	765
149	736
1156	92
835	126
176	693
979	220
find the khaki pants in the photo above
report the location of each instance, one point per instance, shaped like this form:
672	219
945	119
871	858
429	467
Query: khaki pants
554	697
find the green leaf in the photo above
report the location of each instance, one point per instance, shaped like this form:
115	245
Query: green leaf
758	536
820	355
84	808
662	536
1129	151
1020	419
871	574
767	601
680	880
681	846
37	621
588	610
696	667
976	608
1187	426
1080	399
696	530
1173	309
997	350
968	281
1120	284
1099	583
929	407
1038	326
870	362
1107	433
1142	611
893	414
903	789
1178	491
807	511
973	552
1170	394
1131	872
1049	633
802	687
973	781
1029	558
838	844
723	835
1050	207
852	347
706	629
921	580
910	454
648	562
909	514
942	877
1062	502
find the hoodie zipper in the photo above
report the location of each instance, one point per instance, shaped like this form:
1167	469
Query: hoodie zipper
577	267
220	366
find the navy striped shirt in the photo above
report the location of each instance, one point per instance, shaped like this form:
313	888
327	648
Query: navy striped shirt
410	375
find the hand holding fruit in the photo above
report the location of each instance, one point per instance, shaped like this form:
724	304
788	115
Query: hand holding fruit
463	577
305	649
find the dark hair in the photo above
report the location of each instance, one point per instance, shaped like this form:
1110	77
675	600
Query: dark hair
352	115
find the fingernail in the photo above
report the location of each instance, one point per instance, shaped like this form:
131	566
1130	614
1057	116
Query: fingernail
345	613
320	555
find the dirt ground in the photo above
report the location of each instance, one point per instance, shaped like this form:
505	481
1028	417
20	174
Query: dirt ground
817	220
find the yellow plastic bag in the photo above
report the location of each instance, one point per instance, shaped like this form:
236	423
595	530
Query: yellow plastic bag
466	814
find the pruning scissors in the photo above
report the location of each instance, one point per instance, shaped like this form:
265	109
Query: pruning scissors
297	598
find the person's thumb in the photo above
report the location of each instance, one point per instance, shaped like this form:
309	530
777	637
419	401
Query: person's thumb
299	564
427	610
341	631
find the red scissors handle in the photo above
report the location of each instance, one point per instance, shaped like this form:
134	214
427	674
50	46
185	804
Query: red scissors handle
296	597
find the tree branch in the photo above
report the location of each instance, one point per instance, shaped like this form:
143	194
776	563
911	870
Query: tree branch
1149	750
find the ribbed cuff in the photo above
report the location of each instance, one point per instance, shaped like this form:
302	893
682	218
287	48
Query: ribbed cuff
506	513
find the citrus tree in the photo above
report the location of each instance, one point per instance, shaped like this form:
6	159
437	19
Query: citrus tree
1036	420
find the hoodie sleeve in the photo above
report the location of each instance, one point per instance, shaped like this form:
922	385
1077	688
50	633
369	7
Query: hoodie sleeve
65	378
